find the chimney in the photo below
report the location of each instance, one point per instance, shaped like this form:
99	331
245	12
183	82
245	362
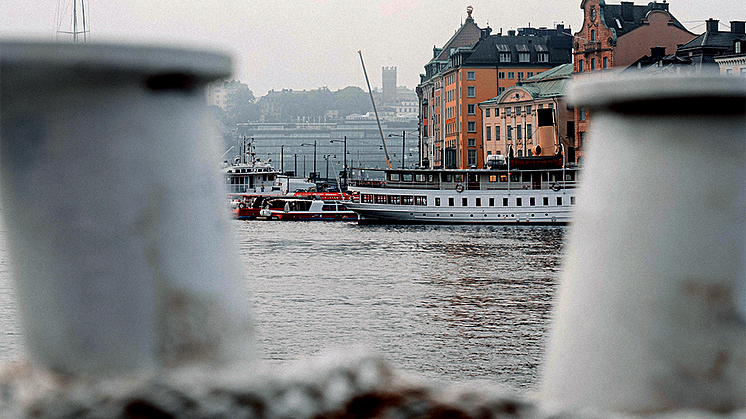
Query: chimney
737	27
712	25
560	28
627	11
511	33
656	53
485	32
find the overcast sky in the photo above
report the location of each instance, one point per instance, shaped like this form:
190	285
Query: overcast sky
306	44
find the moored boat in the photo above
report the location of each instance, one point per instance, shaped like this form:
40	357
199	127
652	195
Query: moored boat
496	195
296	209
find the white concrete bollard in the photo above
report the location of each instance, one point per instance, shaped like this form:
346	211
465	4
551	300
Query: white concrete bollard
647	317
110	189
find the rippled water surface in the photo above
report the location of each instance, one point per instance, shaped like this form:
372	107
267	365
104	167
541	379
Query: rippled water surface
448	303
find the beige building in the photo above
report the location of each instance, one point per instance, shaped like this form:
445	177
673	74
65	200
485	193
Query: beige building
218	92
733	62
532	113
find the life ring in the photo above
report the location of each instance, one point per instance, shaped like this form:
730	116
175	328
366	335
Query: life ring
241	205
556	187
459	188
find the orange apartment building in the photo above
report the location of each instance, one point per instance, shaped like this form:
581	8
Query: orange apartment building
474	66
614	36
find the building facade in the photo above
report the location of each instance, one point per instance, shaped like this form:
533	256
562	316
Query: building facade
218	93
615	36
532	113
472	67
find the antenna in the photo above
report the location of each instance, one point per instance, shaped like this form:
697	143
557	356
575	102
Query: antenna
79	23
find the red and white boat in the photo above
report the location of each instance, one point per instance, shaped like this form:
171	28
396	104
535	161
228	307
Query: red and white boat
295	209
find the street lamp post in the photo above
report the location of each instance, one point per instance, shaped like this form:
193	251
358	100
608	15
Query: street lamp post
344	154
282	158
314	156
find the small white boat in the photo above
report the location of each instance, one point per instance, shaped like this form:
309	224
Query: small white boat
294	209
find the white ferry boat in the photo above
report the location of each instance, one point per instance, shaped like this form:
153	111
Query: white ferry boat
536	190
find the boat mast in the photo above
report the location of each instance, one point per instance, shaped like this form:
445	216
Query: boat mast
383	140
76	32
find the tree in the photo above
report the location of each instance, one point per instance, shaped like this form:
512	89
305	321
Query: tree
241	107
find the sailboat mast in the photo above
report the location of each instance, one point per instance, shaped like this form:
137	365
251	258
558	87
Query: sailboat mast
75	32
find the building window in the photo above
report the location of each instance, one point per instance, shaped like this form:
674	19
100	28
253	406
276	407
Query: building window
542	57
471	126
529	135
471	142
505	57
581	63
518	133
500	90
470	109
488	133
524	57
520	75
507	111
487	112
593	64
509	132
530	74
528	109
471	91
501	75
470	75
511	75
582	139
582	114
471	158
497	133
606	62
593	35
517	110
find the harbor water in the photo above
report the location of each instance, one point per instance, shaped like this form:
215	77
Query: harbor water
449	304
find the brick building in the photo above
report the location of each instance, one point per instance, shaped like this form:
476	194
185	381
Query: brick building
472	67
615	36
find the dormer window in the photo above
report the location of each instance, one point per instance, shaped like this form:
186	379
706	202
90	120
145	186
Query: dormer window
739	47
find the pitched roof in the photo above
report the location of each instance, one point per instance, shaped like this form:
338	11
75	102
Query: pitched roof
627	17
550	83
467	35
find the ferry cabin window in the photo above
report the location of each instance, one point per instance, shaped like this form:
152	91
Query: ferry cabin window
420	200
505	202
419	177
380	199
559	200
519	202
464	202
492	202
437	202
503	178
515	177
493	178
545	200
394	177
459	177
406	177
394	199
572	200
407	200
447	177
430	178
478	202
451	202
366	198
329	208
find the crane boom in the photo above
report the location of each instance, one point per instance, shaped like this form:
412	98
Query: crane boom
385	149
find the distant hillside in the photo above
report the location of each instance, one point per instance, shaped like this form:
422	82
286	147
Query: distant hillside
313	105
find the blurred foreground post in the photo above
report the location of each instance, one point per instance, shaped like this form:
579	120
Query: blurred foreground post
111	195
648	316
